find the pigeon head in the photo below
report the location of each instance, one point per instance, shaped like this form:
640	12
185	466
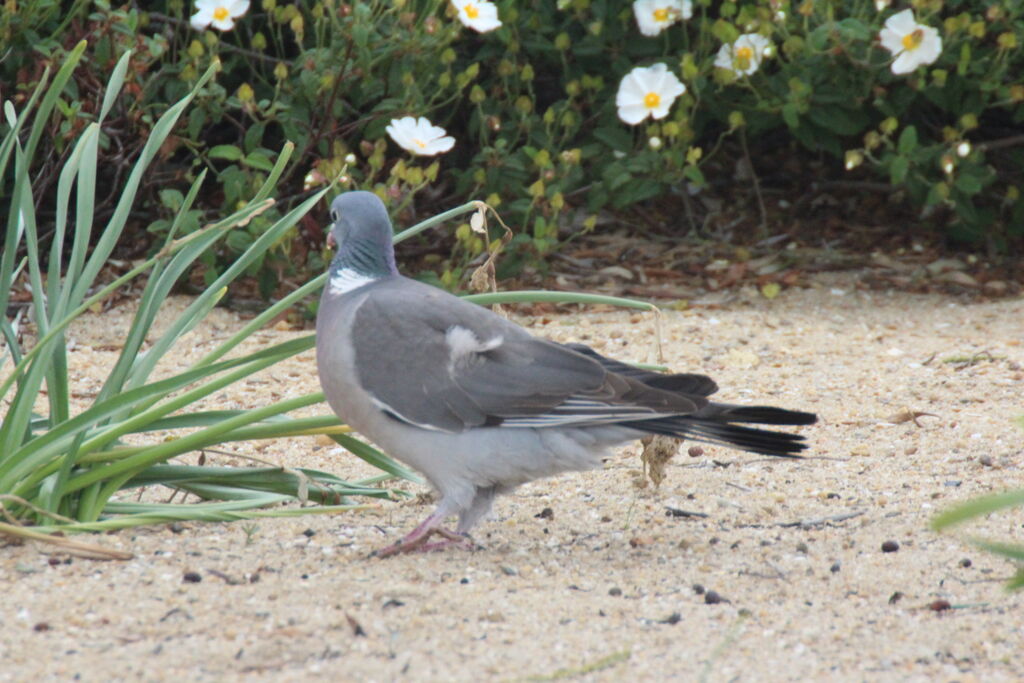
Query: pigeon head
361	232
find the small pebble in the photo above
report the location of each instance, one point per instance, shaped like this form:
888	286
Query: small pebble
986	460
53	561
509	571
801	547
309	533
463	580
966	562
192	577
940	605
713	598
615	591
895	597
836	566
698	589
176	527
41	626
695	451
546	513
672	619
890	547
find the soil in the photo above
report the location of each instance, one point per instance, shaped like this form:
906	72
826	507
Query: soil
784	573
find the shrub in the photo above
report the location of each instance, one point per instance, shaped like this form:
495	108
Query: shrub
532	104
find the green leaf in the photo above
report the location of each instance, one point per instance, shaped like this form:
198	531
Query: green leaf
791	115
695	175
898	170
839	120
259	161
226	152
617	138
968	183
978	507
239	240
907	142
854	29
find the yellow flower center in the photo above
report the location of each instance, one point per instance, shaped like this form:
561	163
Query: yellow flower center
652	100
419	143
661	14
221	13
745	53
912	41
471	11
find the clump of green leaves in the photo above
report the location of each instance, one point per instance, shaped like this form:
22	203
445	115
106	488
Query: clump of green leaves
984	506
70	470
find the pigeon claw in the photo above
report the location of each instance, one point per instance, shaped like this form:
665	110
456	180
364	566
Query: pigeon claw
417	542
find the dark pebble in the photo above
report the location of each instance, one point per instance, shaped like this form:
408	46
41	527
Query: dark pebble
966	562
615	591
713	598
309	533
463	580
672	619
41	626
192	577
836	566
801	547
940	605
695	451
176	527
53	561
895	597
890	547
698	589
546	513
986	460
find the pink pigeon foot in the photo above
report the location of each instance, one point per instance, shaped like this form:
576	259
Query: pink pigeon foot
417	539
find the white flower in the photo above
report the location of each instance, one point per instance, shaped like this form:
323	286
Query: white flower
221	14
420	136
912	44
881	4
654	142
647	91
744	55
963	149
654	16
478	15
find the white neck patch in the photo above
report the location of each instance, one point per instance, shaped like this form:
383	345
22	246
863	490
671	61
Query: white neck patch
347	280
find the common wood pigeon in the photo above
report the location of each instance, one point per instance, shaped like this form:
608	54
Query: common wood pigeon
476	403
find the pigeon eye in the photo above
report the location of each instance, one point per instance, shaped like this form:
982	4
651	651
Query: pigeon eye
334	215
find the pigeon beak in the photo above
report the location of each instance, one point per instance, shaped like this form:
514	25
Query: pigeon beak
331	244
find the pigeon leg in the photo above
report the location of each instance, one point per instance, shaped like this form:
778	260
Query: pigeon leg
417	539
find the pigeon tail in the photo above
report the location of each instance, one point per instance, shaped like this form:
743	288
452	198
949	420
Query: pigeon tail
716	425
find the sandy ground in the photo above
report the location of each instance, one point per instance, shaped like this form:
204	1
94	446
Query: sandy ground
606	586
